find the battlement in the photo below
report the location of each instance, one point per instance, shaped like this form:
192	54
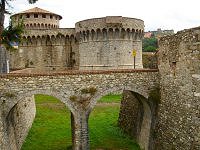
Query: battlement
112	22
57	36
94	44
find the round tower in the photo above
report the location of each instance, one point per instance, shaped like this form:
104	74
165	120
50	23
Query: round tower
110	43
37	18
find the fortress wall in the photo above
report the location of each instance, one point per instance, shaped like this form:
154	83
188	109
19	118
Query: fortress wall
45	52
19	121
99	43
109	22
107	43
179	65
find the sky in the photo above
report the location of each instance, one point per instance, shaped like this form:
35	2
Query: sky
164	14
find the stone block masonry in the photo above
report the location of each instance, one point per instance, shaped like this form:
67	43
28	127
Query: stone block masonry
178	116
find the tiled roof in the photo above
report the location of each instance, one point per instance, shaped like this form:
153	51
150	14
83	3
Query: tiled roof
37	10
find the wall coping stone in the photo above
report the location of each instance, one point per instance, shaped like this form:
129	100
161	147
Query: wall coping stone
76	72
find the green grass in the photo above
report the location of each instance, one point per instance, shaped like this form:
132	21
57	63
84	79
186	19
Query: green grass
111	98
51	129
104	132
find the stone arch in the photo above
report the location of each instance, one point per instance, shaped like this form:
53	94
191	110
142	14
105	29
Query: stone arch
38	25
80	35
67	39
53	39
48	40
29	41
104	32
99	34
128	32
110	33
72	38
84	36
87	35
123	33
43	40
31	26
93	34
140	33
133	34
42	26
34	41
17	135
27	26
145	127
117	33
58	95
39	40
136	34
34	25
99	94
49	26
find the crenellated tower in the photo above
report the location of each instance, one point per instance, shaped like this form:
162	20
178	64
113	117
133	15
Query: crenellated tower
108	43
94	44
37	18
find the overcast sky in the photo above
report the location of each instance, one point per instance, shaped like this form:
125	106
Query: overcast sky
164	14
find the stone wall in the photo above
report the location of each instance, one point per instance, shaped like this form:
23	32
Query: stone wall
19	121
3	60
108	43
46	50
179	65
130	114
137	117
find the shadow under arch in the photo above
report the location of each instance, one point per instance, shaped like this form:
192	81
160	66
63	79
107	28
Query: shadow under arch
21	116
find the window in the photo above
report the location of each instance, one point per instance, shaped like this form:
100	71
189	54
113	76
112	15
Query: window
27	16
35	15
43	16
51	16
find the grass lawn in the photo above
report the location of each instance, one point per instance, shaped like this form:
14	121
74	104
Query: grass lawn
110	98
51	129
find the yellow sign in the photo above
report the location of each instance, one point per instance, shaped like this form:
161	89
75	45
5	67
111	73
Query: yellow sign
134	53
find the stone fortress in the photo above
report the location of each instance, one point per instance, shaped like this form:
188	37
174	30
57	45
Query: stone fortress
159	108
94	44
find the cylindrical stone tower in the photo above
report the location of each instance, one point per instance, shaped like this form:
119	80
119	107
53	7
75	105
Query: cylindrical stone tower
110	43
37	18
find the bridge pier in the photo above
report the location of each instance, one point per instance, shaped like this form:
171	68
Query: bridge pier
80	137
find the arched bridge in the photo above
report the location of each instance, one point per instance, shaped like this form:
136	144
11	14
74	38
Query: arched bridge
79	90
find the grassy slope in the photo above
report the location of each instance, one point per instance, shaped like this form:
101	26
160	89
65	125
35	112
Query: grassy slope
51	129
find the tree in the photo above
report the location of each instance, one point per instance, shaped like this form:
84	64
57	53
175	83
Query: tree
149	44
3	11
12	35
8	35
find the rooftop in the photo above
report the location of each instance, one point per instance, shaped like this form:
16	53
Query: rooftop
38	11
